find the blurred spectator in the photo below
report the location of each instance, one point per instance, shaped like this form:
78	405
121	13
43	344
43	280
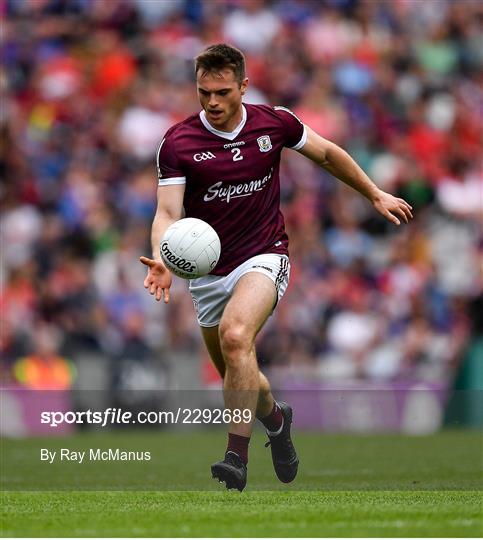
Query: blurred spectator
460	192
251	26
44	368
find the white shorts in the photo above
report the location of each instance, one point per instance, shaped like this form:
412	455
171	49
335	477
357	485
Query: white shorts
211	293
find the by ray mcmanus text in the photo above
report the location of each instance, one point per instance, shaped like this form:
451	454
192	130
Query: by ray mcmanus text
92	454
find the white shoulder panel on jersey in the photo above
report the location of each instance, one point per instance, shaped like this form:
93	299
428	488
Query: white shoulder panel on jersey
176	180
303	139
159	150
280	108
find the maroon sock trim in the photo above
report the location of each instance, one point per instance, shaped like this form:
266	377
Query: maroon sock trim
273	422
239	445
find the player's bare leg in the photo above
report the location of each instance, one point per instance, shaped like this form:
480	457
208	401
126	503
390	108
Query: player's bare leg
247	310
234	355
265	398
244	315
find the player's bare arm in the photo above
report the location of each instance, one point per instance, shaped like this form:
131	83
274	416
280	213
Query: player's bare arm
339	163
169	209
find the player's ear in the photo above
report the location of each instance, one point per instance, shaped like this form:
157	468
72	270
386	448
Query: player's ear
244	85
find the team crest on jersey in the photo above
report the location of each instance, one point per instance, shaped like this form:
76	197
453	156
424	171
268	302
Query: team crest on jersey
264	143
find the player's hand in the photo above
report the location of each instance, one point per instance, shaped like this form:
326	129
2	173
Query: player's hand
392	208
158	281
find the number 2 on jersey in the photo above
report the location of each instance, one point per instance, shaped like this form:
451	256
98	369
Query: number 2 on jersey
236	154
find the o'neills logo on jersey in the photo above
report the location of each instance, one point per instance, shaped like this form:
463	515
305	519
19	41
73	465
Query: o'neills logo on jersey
179	262
245	189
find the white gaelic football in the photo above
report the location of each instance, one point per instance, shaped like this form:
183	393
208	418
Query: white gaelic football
190	248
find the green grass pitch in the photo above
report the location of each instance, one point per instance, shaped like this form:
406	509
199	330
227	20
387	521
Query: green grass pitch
348	485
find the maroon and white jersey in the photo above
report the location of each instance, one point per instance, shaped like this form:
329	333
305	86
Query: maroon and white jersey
232	179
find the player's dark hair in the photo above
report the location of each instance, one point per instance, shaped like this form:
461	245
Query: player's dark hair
222	56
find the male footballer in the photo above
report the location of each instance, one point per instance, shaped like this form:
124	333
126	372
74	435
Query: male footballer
231	144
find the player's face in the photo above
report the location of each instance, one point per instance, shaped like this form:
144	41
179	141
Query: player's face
220	96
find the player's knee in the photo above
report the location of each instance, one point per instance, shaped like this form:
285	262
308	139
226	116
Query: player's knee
234	339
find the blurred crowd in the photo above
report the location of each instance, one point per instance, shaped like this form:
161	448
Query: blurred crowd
88	88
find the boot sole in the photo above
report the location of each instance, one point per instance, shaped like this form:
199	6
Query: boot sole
224	473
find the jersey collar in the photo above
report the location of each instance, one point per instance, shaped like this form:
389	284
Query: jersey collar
230	135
